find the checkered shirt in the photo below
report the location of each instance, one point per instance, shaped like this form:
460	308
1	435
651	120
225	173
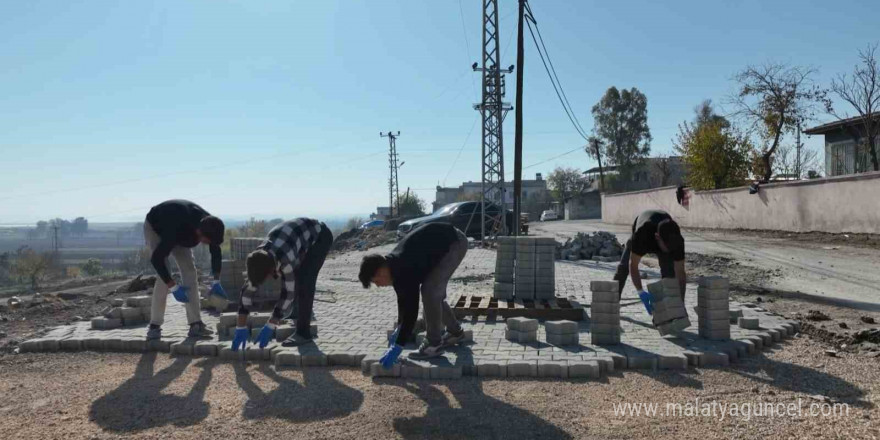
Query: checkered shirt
288	242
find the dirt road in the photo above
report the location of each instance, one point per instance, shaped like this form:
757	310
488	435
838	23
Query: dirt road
821	273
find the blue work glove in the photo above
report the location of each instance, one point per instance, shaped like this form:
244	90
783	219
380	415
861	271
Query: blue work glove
265	335
217	289
648	301
241	338
179	293
390	357
393	337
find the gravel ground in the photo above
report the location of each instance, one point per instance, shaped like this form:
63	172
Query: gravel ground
92	395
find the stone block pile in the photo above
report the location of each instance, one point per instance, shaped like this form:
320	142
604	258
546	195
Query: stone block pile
525	268
561	333
598	246
670	315
134	310
605	317
521	330
713	304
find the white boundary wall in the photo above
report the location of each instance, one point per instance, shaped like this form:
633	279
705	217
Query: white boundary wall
837	204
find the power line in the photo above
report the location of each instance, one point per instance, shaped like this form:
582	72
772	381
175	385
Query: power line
557	87
466	139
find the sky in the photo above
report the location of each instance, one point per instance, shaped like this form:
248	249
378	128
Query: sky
274	108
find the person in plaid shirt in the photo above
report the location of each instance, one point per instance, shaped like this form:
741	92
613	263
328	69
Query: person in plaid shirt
295	250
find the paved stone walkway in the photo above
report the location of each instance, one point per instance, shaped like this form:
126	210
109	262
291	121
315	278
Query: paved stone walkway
352	324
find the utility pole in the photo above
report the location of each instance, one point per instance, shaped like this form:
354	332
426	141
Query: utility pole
517	139
492	110
798	146
55	243
393	194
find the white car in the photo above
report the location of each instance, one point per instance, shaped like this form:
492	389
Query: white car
548	215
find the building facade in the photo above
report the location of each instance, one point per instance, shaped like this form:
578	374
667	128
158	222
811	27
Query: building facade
535	195
846	151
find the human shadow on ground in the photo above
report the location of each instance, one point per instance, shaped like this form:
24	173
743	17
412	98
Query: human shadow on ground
139	403
320	396
480	416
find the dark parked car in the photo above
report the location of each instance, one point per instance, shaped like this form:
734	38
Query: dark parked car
463	215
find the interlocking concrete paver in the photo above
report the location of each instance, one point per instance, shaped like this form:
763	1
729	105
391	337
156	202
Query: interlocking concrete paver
354	323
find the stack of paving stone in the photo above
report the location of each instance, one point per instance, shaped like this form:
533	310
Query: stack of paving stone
670	315
713	304
521	330
561	333
605	317
505	262
135	310
525	268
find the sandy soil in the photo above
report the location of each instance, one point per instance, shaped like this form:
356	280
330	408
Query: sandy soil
93	395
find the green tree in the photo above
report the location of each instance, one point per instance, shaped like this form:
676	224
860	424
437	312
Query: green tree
716	155
621	122
567	183
775	99
410	204
92	267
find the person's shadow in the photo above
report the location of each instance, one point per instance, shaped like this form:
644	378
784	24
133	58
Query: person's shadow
319	397
480	416
139	403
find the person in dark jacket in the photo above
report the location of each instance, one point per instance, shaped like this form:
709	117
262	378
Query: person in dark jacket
295	249
173	228
423	262
653	232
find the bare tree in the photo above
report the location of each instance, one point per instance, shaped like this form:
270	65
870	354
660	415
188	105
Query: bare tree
862	91
785	162
663	169
774	99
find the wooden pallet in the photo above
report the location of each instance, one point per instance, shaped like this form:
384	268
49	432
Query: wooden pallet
554	309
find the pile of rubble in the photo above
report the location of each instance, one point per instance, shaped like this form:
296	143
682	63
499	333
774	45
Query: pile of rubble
361	239
598	246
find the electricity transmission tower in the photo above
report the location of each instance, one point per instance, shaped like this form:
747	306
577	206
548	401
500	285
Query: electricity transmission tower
493	110
393	194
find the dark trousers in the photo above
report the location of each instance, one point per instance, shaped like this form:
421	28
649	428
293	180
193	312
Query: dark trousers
667	268
305	277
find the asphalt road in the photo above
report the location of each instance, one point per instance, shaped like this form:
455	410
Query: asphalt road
817	272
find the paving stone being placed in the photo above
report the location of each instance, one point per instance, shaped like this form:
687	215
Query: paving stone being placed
491	368
522	368
560	327
520	337
672	361
641	361
287	358
584	369
522	324
714	359
558	369
376	370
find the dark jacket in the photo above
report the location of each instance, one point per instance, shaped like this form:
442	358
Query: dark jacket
176	221
410	263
